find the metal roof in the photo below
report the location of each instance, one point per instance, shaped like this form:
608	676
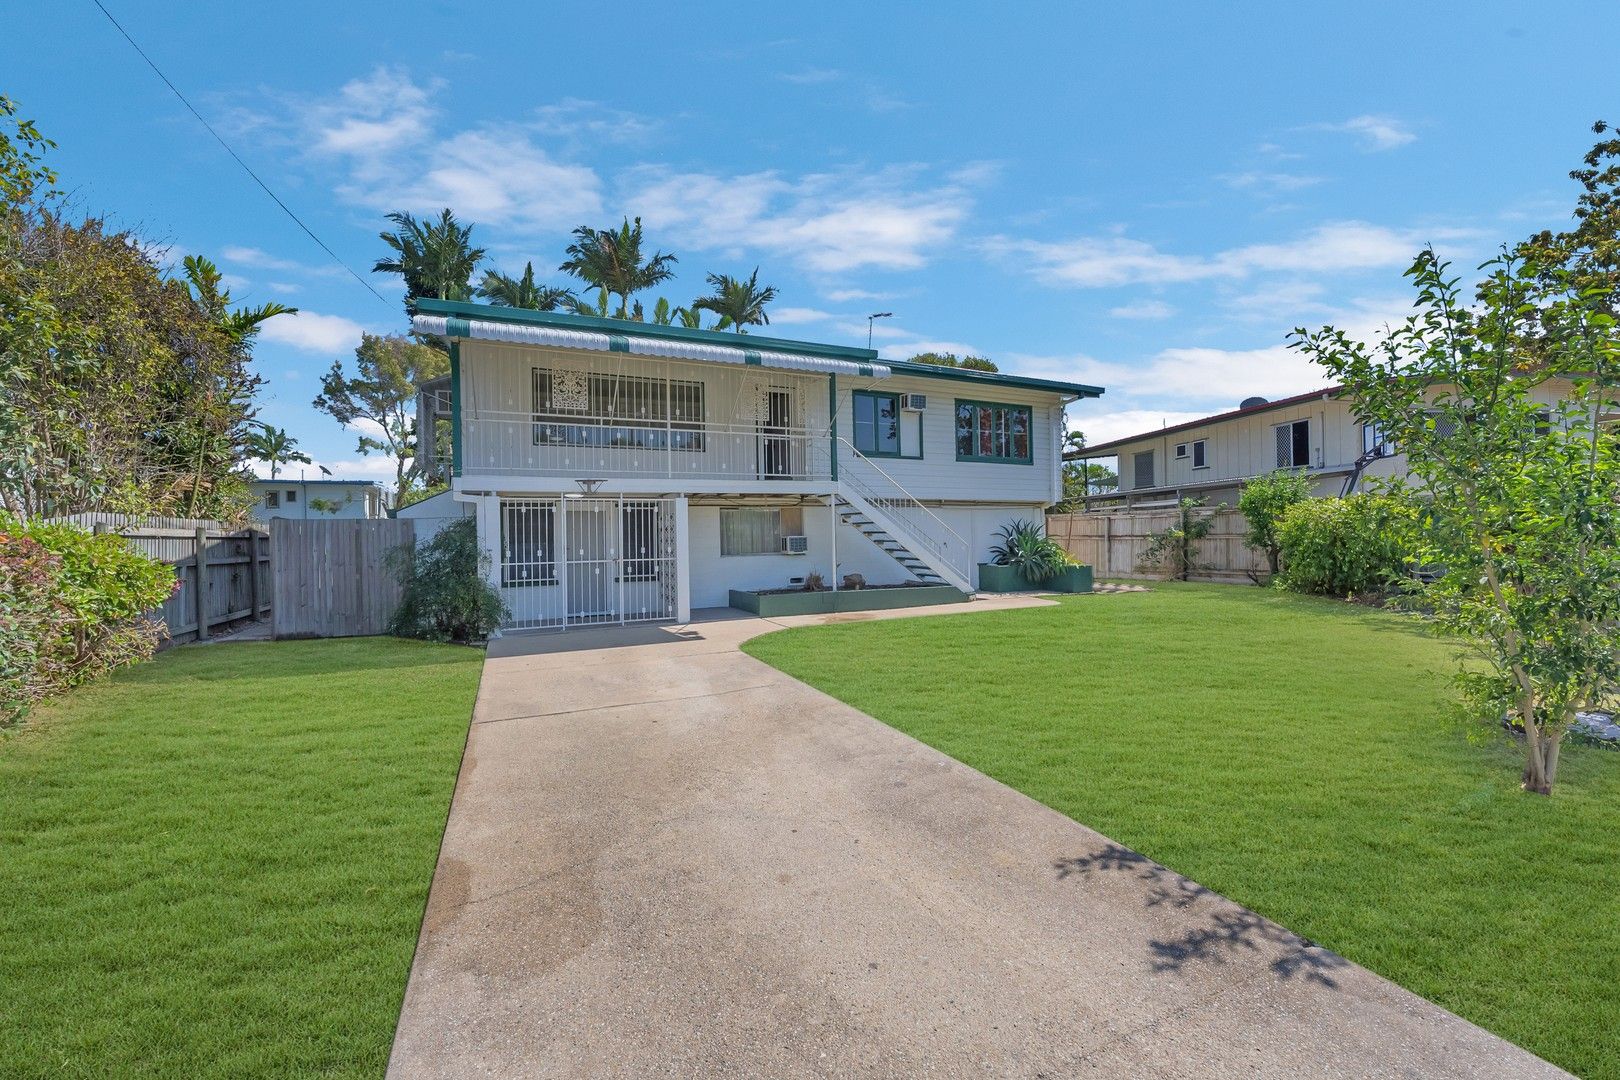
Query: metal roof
1298	399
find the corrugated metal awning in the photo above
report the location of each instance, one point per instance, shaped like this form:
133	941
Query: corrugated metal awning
635	344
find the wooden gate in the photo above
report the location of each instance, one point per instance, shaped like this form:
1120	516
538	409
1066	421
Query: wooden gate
330	577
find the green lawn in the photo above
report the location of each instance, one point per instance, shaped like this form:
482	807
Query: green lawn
1295	755
215	864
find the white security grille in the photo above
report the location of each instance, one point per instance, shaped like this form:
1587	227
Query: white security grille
1142	467
577	562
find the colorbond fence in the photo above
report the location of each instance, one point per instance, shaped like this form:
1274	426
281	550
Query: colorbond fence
1113	543
224	574
331	579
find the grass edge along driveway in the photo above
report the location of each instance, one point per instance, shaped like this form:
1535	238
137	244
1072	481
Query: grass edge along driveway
215	864
1293	754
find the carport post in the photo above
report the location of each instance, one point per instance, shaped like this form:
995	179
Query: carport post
683	564
832	534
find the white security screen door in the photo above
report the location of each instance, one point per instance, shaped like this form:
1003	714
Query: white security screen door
587	561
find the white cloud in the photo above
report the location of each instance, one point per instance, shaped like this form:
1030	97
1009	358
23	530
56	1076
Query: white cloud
1376	132
1270	182
374	114
791	316
1143	309
591	120
843	296
1108	426
1098	262
313	332
811	76
1186	377
829	222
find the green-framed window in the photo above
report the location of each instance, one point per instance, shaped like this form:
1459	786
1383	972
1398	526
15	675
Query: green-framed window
877	423
990	431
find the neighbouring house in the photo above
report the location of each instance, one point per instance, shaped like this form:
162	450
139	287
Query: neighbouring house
621	471
1212	458
286	497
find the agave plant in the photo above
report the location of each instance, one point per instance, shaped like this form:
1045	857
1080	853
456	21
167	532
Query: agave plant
1024	546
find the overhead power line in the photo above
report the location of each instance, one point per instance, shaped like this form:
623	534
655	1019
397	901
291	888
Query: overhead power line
237	157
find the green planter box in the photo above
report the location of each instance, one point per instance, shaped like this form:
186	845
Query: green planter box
771	605
993	578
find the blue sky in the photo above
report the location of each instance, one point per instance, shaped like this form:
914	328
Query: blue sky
1146	197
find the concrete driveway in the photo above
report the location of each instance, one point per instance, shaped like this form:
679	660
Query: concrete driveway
665	858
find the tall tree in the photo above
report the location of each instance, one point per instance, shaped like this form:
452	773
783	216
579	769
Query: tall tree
436	258
611	259
379	399
273	445
739	303
523	292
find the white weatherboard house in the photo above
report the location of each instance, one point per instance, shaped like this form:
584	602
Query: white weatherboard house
623	471
293	497
1316	433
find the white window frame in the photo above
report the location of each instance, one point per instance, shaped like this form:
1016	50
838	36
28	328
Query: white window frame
1200	453
1372	436
1294	463
1181	450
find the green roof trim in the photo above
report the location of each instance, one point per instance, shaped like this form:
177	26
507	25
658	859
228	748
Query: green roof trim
752	358
618	343
457	327
455	309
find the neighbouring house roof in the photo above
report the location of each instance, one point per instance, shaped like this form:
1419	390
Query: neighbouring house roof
283	481
1101	449
488	322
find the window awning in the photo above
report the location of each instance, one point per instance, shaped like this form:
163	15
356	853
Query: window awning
451	326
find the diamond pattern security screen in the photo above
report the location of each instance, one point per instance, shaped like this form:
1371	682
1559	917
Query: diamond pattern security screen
1142	470
577	408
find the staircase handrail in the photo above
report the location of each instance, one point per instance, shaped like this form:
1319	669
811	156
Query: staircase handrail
871	495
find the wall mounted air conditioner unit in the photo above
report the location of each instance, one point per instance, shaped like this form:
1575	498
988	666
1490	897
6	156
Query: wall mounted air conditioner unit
795	545
913	402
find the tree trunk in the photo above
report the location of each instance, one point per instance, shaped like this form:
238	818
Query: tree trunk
1540	756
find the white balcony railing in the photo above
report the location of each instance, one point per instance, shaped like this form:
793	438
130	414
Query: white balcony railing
524	444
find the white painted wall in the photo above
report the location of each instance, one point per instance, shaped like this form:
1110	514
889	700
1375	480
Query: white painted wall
434	513
355	500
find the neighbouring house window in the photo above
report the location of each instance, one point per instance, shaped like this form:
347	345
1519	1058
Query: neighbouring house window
1375	442
640	535
528	556
877	423
753	530
1142	469
1200	455
292	495
986	431
272	499
577	408
1293	444
1181	450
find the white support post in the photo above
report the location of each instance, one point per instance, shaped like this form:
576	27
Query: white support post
832	533
683	564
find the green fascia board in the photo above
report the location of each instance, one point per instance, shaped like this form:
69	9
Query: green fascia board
458	309
992	378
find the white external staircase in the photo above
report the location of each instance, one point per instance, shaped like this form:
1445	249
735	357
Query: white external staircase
873	503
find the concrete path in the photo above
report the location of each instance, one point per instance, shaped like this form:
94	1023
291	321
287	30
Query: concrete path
665	858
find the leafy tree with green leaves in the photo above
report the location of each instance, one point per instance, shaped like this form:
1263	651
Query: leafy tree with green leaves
939	359
436	258
1264	501
1520	502
611	260
523	292
379	399
446	591
740	304
274	446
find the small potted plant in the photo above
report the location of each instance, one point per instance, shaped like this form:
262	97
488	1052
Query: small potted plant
1025	559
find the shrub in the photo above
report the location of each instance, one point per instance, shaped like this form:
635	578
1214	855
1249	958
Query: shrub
1344	547
1264	501
73	604
447	596
1174	551
1024	546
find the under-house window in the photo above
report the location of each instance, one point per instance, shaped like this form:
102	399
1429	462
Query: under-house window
1142	470
528	554
1293	444
758	530
640	528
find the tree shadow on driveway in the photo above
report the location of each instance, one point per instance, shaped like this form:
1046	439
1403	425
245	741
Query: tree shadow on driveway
1211	936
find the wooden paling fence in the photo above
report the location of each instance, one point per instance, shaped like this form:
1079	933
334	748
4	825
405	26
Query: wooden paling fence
331	579
1113	543
224	574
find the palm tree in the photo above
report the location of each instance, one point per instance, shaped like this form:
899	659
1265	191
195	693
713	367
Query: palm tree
274	445
738	303
522	292
203	278
436	258
611	259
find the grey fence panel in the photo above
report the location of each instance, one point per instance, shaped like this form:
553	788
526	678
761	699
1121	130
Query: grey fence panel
330	578
233	562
